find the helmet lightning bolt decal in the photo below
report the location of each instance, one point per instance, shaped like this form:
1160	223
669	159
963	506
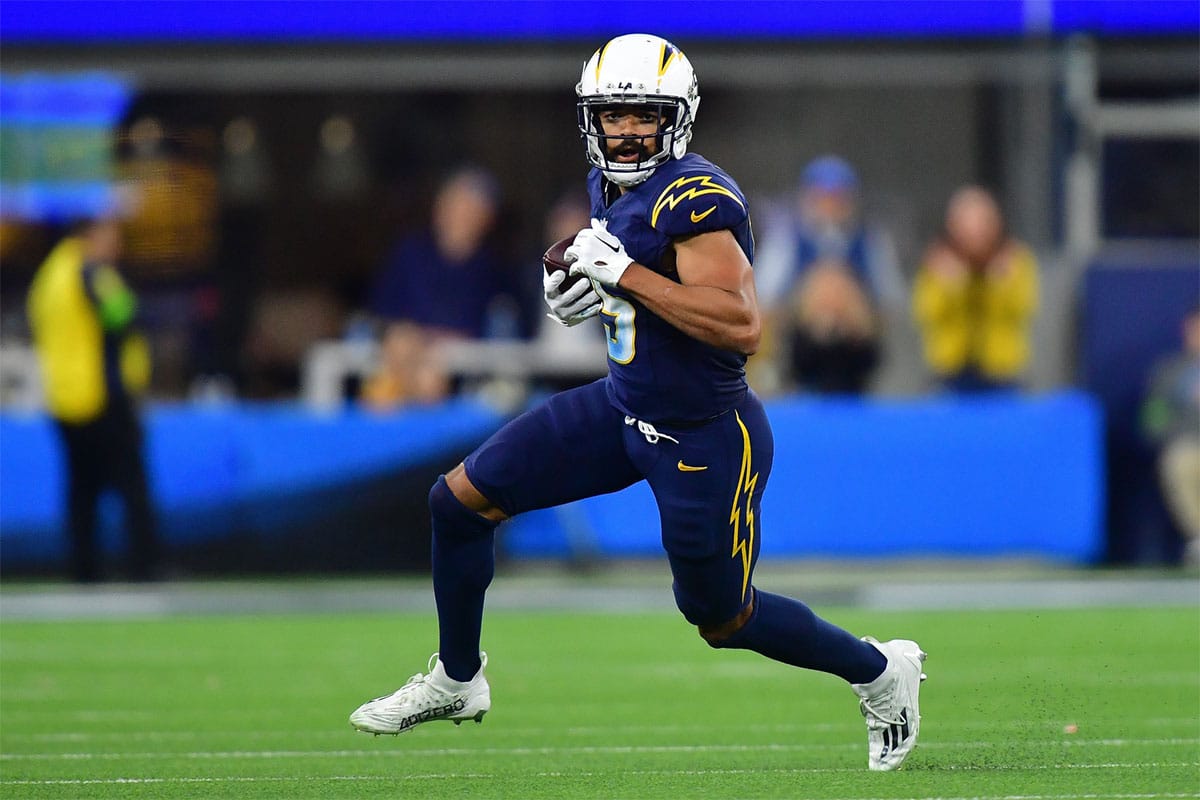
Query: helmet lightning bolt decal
666	57
668	54
743	500
703	185
600	59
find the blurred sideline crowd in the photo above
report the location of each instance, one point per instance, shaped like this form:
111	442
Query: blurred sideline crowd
835	296
836	300
829	283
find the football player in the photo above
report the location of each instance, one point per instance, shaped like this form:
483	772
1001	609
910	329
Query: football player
668	257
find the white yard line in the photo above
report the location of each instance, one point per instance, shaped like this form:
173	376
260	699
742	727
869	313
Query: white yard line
487	776
1189	723
582	750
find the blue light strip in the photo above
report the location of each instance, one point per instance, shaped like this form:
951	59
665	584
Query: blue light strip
254	21
87	98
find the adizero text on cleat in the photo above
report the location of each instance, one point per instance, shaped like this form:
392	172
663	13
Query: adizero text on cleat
425	698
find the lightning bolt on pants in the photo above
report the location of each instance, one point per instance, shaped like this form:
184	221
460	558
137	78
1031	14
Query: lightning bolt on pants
711	524
709	487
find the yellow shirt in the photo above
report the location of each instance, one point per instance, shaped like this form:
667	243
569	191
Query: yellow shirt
69	337
981	321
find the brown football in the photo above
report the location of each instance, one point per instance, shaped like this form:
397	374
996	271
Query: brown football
553	261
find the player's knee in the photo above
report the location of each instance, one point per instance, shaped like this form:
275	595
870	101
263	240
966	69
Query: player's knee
718	636
451	518
441	500
724	634
460	489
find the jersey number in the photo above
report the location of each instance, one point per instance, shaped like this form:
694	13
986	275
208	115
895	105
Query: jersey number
618	318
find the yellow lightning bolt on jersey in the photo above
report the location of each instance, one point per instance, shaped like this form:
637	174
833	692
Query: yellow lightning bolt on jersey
700	185
743	500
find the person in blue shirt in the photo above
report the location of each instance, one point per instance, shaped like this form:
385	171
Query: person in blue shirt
444	278
830	282
445	282
668	256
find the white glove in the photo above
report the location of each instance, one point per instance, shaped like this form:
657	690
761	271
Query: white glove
598	254
573	306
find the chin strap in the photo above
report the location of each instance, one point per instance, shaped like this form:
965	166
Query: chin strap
628	179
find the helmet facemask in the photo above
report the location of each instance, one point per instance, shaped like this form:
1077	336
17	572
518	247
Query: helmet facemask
639	71
670	138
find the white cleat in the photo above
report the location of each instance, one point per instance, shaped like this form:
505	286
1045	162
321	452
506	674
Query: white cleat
426	698
890	704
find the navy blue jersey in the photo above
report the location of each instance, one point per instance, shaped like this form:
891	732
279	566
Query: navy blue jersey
658	373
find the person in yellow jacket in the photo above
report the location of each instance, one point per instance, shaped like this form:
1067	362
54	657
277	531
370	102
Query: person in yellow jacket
975	296
93	367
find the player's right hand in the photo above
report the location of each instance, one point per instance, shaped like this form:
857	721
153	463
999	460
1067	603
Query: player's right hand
572	305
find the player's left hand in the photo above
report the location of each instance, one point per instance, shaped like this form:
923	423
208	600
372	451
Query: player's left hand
598	254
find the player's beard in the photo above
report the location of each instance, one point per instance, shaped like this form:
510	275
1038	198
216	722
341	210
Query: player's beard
630	147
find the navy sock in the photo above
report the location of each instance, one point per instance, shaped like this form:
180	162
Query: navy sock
464	561
787	630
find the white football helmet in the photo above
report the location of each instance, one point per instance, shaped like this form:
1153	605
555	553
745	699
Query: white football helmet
637	69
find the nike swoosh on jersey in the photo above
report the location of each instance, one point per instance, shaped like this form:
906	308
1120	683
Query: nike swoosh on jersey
697	217
686	468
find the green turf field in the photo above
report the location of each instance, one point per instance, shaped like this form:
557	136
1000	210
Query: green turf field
597	706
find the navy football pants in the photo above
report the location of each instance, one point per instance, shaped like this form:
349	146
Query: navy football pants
708	481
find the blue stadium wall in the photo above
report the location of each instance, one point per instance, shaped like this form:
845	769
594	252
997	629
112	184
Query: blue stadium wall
254	488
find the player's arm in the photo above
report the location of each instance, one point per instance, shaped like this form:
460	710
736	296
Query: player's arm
115	304
714	300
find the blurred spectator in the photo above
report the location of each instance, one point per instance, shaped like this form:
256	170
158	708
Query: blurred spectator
1171	420
446	282
830	282
80	311
445	278
408	370
170	237
974	297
